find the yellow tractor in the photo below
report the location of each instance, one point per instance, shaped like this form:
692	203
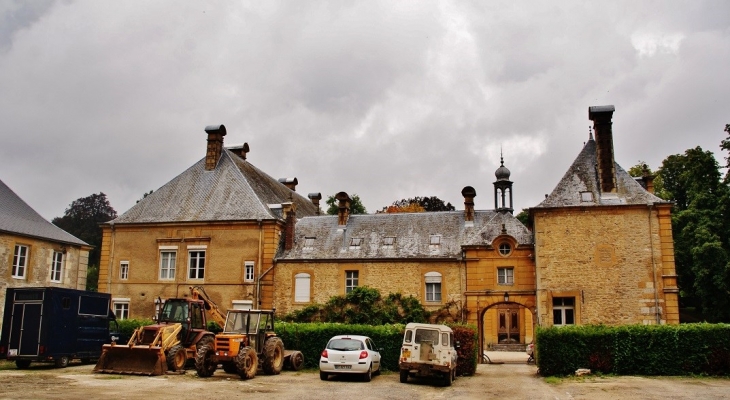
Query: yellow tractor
179	332
247	342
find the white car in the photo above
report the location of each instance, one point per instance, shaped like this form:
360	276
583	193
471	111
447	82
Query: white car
350	354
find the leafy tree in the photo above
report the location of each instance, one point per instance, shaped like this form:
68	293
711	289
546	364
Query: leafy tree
523	217
82	219
642	169
418	204
356	206
145	195
700	227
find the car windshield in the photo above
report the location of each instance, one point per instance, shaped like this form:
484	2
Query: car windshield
427	335
345	345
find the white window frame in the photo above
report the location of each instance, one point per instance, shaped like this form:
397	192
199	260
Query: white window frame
242	304
20	261
352	279
121	308
167	271
57	260
564	310
309	243
388	242
506	275
433	287
123	270
505	249
248	271
302	287
197	271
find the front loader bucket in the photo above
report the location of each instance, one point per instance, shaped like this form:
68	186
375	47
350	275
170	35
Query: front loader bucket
134	360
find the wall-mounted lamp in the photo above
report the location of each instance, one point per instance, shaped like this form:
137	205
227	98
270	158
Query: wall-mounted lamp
506	297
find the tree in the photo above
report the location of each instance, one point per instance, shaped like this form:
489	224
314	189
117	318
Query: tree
523	217
700	227
418	204
642	169
356	206
82	219
145	195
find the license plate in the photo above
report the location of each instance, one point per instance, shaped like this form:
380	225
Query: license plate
406	354
343	366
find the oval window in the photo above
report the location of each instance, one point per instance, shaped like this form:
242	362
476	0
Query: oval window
505	249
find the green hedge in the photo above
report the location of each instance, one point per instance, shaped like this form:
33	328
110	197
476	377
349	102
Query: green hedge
635	349
311	338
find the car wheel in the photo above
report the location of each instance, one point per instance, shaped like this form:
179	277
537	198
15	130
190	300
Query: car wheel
323	375
403	376
368	376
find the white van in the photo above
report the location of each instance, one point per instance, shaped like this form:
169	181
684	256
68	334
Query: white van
428	351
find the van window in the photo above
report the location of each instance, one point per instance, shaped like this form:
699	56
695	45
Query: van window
409	336
445	339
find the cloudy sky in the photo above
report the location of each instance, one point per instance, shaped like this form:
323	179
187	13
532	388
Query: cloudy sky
386	100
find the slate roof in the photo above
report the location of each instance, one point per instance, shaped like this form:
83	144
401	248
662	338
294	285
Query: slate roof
17	217
235	190
582	176
412	232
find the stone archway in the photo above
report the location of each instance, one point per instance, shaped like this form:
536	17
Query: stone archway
506	323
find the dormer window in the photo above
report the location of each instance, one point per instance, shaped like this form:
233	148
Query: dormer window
308	243
505	249
586	197
355	243
435	240
388	241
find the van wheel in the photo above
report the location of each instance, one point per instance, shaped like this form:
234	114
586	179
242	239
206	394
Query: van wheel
448	378
22	364
62	362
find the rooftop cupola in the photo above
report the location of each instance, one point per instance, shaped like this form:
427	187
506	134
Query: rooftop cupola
502	187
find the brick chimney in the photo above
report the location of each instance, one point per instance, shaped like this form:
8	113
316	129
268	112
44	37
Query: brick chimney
315	197
240	150
215	145
291	183
343	212
601	117
469	194
289	210
647	180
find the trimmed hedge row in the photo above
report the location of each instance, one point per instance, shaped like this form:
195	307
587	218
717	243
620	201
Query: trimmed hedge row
311	338
635	349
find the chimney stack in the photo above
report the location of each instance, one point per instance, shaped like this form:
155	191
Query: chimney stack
601	117
240	150
291	183
289	210
343	212
315	197
469	194
647	180
215	145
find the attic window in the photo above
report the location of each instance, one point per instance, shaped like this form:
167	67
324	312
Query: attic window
355	242
435	240
308	243
586	197
388	241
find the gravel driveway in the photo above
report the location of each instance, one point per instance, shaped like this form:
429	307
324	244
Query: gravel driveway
505	381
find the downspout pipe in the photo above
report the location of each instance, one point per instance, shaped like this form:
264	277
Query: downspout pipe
259	262
111	259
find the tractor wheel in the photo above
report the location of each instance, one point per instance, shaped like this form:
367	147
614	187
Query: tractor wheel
22	364
176	358
296	360
204	341
230	368
62	362
247	362
204	361
273	356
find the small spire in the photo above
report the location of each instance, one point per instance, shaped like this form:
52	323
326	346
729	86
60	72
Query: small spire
590	133
501	158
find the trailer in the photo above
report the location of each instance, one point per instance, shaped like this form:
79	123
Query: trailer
55	325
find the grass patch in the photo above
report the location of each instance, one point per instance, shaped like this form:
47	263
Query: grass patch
6	365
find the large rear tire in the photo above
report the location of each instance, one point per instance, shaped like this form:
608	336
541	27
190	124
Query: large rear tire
204	361
176	358
273	356
247	362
